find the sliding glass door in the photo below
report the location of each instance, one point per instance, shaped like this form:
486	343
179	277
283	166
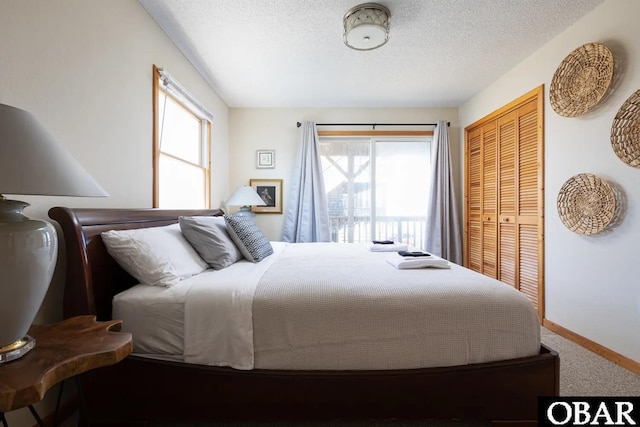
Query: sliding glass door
376	188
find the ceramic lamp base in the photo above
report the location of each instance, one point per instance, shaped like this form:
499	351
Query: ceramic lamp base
245	211
17	349
28	253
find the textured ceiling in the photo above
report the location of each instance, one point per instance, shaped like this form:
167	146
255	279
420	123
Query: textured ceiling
290	53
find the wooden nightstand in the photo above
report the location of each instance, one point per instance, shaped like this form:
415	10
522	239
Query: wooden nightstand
63	350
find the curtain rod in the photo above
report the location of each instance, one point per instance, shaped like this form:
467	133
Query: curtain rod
375	124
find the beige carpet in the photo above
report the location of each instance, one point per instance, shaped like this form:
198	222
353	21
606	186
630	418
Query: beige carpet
583	373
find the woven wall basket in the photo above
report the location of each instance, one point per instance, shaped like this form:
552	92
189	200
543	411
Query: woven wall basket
581	80
625	131
586	204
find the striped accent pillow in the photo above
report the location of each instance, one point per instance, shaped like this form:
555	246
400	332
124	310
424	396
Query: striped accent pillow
247	236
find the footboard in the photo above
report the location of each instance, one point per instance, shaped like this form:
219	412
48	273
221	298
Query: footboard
144	390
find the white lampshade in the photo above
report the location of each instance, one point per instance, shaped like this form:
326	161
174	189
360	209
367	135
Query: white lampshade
31	162
245	196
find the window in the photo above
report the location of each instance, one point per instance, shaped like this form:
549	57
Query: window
377	188
182	140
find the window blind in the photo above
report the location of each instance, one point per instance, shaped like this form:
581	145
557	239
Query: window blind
182	95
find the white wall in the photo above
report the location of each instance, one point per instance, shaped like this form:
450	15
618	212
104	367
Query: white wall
591	282
275	128
84	69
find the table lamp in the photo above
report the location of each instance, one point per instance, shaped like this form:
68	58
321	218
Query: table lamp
31	162
245	196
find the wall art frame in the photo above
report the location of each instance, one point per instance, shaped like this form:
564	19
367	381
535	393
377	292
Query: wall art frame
265	159
270	190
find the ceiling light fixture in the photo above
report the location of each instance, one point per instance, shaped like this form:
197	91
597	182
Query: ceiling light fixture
366	26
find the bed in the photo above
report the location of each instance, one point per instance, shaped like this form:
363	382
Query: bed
147	389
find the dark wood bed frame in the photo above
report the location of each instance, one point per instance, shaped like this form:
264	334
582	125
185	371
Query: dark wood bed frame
140	390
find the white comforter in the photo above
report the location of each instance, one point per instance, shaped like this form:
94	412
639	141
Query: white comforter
340	306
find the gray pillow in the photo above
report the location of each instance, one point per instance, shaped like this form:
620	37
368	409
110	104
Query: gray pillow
209	237
245	233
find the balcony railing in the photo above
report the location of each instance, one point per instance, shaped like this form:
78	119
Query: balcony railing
401	229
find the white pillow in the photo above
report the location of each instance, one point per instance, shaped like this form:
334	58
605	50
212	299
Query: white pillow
158	256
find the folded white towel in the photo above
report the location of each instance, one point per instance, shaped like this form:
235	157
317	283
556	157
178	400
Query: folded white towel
394	247
409	262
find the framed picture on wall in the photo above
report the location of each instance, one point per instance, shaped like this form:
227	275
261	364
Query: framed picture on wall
270	190
266	159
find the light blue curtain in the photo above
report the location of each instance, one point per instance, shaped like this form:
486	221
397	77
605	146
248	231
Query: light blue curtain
307	215
443	230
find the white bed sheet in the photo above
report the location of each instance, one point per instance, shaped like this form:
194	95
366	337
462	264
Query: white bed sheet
155	315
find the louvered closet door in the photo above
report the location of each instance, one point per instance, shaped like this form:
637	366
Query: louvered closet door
474	200
504	161
518	200
482	243
508	142
489	201
529	203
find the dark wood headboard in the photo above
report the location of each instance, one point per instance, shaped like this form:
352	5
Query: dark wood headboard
93	277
